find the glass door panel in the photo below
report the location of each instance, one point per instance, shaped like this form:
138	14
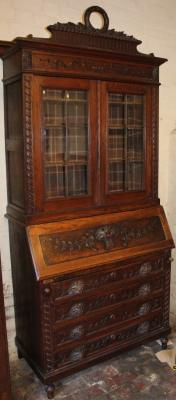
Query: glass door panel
125	142
65	142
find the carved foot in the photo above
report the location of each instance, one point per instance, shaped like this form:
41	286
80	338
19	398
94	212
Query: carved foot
50	390
164	343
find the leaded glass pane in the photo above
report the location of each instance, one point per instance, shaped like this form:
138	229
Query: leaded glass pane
125	142
65	142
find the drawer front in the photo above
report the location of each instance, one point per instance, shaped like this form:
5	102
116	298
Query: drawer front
86	327
116	273
96	319
98	300
107	343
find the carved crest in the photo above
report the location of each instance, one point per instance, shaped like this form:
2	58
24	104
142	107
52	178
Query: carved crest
86	34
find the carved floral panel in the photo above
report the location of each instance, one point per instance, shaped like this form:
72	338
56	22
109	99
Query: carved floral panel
58	247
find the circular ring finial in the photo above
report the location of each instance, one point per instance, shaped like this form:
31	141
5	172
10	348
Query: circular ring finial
99	10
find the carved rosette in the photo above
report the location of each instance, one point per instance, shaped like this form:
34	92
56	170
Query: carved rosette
145	268
28	145
143	328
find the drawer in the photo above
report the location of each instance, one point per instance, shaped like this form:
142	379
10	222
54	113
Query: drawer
108	343
114	273
86	327
73	309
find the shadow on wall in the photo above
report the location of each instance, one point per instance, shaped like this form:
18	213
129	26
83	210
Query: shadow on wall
171	213
171	203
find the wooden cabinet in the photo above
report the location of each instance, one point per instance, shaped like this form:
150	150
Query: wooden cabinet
5	389
90	243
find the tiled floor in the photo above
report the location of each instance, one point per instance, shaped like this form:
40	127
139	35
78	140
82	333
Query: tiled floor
134	375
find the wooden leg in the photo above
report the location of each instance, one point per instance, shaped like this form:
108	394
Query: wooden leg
164	343
50	390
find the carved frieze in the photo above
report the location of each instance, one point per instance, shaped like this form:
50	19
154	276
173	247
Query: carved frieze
58	247
60	63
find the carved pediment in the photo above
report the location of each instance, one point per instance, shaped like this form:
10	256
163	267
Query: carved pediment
87	35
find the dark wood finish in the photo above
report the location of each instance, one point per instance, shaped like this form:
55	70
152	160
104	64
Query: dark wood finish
91	264
5	385
4	45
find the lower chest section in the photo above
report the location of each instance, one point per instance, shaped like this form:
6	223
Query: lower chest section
91	314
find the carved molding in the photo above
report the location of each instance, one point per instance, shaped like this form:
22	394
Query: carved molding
87	65
57	247
48	334
155	142
166	310
28	145
26	59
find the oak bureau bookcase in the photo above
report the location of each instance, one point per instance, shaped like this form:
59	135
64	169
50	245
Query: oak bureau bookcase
90	243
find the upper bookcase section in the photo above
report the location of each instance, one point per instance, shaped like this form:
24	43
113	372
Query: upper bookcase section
86	37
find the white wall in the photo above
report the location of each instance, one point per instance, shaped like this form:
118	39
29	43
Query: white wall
152	21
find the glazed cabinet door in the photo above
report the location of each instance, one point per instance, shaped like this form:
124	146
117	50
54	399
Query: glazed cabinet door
126	156
65	143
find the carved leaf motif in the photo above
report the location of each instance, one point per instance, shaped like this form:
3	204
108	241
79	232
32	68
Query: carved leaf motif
100	238
144	289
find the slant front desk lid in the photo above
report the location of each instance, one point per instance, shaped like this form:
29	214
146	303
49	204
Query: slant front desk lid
64	246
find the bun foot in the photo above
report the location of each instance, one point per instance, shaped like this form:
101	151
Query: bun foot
164	343
50	391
